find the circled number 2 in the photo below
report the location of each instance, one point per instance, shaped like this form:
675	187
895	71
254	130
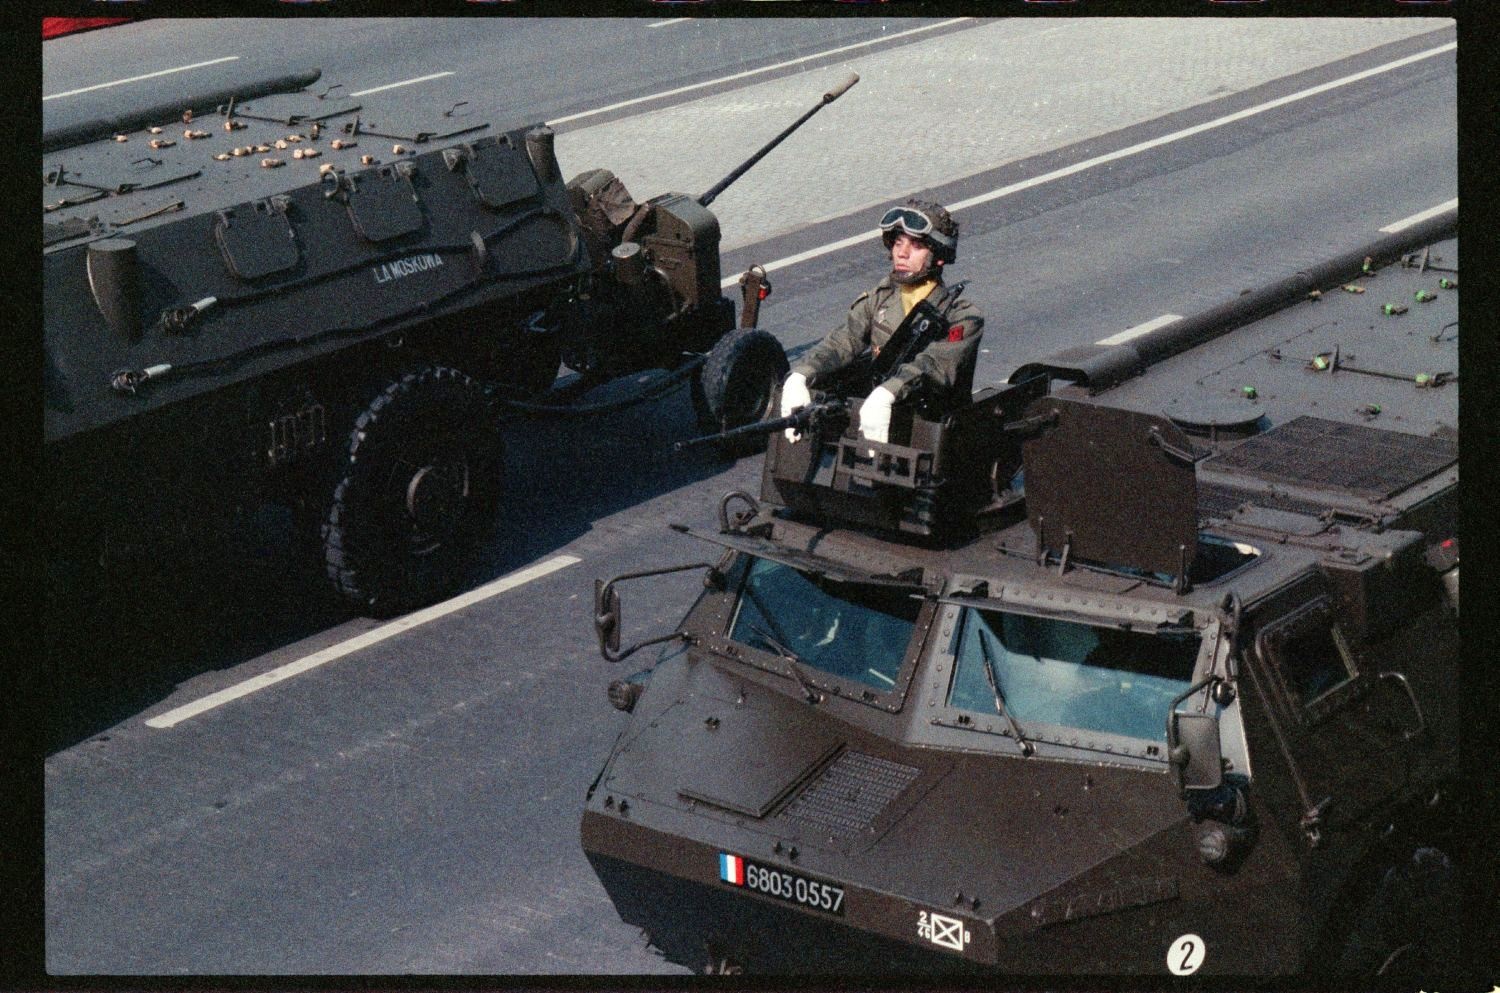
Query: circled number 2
1186	955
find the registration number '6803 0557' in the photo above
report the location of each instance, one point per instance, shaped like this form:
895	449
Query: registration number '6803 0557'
780	884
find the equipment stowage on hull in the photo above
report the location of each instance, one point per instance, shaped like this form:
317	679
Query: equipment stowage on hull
295	298
225	299
1144	662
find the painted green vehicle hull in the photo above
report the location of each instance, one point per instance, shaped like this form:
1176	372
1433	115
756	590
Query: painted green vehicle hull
1121	669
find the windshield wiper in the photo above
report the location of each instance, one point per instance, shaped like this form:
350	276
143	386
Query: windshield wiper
989	673
793	662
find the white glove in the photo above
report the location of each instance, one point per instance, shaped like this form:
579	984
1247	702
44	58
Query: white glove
794	395
875	415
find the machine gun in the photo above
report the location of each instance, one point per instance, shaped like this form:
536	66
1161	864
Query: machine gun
808	419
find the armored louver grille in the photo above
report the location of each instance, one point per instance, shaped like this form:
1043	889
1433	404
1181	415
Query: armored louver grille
1220	503
848	795
1368	462
1217	504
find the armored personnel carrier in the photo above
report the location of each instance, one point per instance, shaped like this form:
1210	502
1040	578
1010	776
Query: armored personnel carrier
1142	662
289	296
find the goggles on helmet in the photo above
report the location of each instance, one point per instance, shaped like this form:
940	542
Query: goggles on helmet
914	223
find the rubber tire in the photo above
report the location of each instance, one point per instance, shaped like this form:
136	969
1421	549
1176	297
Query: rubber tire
740	384
702	416
377	556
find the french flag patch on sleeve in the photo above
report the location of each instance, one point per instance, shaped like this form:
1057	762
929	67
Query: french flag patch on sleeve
732	869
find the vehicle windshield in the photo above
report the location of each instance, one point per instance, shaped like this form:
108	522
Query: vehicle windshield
1050	671
849	630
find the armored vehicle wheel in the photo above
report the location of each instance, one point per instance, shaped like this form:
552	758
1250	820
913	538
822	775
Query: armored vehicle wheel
740	383
421	481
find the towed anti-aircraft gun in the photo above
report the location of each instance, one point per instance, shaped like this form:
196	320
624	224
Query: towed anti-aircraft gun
1144	661
297	298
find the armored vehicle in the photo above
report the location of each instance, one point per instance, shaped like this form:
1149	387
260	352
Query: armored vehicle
289	296
1142	662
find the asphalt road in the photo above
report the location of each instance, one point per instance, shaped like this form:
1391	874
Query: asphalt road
412	806
511	71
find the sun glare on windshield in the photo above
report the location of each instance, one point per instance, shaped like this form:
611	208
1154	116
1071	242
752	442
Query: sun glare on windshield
849	630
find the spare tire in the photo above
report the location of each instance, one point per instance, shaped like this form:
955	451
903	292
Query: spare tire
739	384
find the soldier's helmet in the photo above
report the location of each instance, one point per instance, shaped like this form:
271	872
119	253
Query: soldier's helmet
926	220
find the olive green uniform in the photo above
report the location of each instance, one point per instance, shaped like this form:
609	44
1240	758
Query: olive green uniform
876	315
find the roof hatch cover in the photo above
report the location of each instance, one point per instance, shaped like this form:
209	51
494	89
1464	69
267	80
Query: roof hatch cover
1115	487
744	759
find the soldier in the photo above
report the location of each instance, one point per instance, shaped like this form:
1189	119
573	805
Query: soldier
880	345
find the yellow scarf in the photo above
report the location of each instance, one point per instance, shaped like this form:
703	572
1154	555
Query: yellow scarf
912	295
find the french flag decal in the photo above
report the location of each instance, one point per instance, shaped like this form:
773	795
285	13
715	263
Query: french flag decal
732	869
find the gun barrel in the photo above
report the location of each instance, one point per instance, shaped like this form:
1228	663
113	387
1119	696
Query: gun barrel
759	427
803	419
841	89
744	167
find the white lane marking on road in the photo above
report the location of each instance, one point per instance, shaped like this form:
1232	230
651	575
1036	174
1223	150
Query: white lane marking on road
371	637
754	72
1407	222
1139	329
404	82
135	79
675	20
1077	167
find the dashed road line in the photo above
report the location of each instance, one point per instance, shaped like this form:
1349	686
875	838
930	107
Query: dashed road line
404	82
755	72
371	637
1135	149
1139	329
1406	222
136	79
